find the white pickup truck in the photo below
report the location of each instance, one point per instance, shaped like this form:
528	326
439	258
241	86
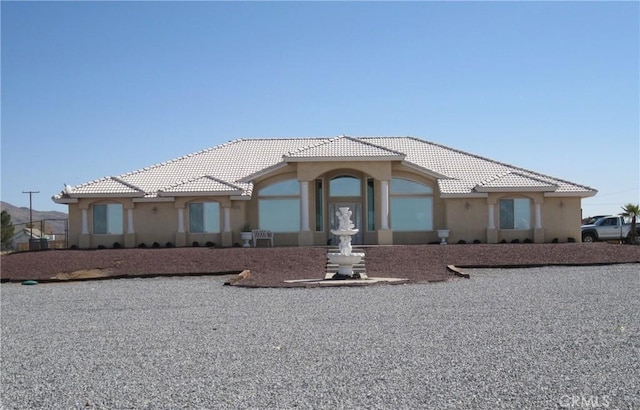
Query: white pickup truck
607	228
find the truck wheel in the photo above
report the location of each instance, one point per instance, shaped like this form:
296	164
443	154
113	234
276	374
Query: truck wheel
588	237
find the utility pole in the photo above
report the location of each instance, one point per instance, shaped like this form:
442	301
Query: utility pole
30	214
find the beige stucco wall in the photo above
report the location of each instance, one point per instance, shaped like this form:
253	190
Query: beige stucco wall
561	218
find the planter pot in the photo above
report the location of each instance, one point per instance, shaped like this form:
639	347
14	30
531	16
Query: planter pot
246	237
443	234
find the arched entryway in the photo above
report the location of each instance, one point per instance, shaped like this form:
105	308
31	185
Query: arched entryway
346	191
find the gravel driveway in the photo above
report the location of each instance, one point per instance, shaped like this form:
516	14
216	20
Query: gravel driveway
557	337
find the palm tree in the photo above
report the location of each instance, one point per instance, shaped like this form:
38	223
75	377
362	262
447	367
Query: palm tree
632	211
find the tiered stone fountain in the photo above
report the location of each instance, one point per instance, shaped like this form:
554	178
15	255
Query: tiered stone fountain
345	259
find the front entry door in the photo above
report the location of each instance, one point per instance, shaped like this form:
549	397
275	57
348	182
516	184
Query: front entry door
356	218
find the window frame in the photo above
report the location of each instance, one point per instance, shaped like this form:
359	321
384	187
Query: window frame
426	195
515	212
108	223
274	196
205	218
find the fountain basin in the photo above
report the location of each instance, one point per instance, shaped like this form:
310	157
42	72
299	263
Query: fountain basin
345	262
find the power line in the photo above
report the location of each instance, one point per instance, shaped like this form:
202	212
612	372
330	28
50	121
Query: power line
30	212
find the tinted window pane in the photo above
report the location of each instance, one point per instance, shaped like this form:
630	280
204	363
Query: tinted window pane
100	219
344	186
404	186
114	219
411	214
279	215
319	206
212	217
196	218
371	216
288	187
506	214
522	213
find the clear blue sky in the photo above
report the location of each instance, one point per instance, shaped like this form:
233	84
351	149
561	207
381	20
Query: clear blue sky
102	88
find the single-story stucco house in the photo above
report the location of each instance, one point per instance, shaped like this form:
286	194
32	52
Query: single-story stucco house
401	190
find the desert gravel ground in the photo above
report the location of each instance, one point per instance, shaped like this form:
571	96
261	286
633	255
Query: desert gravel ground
535	338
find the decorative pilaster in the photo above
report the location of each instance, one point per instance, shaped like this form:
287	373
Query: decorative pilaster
227	236
130	237
304	205
384	205
492	232
181	237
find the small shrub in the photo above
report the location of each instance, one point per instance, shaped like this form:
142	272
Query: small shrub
195	244
210	244
73	247
503	241
571	240
142	245
102	247
116	245
528	240
155	245
462	242
555	240
169	245
515	241
477	241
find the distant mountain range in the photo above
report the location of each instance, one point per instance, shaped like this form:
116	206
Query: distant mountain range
55	222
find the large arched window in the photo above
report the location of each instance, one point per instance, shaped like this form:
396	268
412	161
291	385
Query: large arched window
279	206
204	217
411	206
344	186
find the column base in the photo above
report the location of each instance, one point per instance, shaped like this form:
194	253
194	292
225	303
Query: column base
84	241
130	240
538	235
227	239
181	239
305	238
492	236
385	237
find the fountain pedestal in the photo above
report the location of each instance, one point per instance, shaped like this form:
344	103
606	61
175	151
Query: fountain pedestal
345	259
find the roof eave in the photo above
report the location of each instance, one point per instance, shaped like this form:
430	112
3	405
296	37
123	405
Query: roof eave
64	201
200	193
517	189
266	171
581	194
424	170
453	195
109	195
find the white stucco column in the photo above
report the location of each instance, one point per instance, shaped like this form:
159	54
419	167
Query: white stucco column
491	224
180	220
304	205
538	221
129	220
85	221
227	219
384	204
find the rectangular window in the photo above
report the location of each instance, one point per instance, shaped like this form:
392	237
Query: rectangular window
108	219
319	207
371	199
515	213
279	215
412	214
204	217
